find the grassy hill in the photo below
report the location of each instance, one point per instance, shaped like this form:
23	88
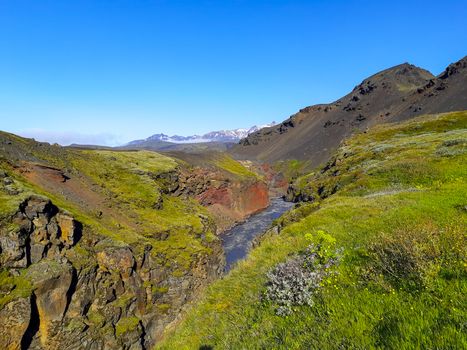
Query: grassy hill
381	249
113	193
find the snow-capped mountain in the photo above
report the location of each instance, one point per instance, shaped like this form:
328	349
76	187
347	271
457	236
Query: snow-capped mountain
213	136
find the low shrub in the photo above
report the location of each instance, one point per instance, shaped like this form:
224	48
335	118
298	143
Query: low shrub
296	281
412	258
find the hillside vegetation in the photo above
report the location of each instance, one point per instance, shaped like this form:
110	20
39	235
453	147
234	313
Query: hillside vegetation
380	246
115	193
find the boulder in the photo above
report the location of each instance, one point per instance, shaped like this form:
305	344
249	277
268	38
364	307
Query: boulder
51	280
68	229
117	259
14	321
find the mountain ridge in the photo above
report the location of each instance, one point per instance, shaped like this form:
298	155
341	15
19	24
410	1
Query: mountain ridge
394	94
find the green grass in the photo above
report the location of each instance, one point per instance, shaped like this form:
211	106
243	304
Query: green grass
9	204
125	175
291	169
392	157
126	324
398	208
232	166
13	287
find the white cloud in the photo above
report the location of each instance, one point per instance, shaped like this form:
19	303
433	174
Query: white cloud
66	138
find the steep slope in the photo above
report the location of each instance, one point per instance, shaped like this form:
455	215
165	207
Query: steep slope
375	260
103	249
395	94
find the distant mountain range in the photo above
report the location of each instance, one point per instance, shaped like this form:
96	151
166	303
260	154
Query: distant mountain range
221	136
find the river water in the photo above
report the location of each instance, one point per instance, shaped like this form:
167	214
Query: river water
237	241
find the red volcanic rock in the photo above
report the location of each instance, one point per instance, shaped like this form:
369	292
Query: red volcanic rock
222	196
230	199
246	199
253	198
232	202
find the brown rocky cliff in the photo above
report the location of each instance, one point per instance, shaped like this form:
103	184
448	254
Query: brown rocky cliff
86	292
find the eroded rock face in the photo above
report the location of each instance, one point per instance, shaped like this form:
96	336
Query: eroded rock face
229	200
117	260
118	297
14	321
51	280
234	202
37	231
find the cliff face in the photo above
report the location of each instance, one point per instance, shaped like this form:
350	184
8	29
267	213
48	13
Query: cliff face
234	203
227	188
120	297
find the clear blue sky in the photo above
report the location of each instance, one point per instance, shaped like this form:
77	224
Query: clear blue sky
110	71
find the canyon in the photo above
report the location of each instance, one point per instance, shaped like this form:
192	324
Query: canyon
115	248
105	249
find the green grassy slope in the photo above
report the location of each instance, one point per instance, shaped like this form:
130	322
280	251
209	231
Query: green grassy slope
395	200
216	161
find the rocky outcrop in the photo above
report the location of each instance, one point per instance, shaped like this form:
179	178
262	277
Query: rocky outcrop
51	280
14	321
233	203
38	230
33	244
230	200
85	291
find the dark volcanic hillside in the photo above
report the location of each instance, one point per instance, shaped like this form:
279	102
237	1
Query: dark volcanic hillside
395	94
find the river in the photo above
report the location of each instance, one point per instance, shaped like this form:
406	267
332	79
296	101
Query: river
237	240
